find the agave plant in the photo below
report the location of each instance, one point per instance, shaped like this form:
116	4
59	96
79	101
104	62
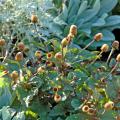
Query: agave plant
91	17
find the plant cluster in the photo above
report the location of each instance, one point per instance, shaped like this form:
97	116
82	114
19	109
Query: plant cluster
42	78
91	17
61	83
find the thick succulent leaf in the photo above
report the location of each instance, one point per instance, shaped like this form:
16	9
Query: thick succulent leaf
86	28
90	13
73	8
99	22
107	6
107	35
5	96
112	20
83	6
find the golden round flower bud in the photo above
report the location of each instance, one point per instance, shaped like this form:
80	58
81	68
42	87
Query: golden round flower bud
104	48
49	63
73	30
19	56
64	42
91	111
55	89
98	36
109	105
85	108
38	54
49	55
34	19
71	36
41	70
14	75
118	58
115	45
21	46
58	56
57	98
2	42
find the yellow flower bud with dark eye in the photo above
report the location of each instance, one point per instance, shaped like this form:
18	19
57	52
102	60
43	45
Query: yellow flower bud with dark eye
109	105
58	56
55	89
115	45
57	98
98	36
104	48
2	42
38	54
91	111
85	108
118	58
64	42
34	19
19	56
73	30
21	46
49	63
49	55
14	75
41	70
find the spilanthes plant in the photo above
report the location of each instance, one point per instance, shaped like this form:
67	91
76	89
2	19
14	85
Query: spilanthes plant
46	77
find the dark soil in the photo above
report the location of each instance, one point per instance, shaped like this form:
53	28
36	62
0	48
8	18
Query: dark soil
117	37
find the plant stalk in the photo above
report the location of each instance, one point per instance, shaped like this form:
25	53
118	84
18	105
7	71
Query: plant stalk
113	69
88	45
97	57
110	55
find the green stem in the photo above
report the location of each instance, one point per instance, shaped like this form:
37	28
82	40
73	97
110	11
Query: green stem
97	57
88	45
113	69
40	36
110	55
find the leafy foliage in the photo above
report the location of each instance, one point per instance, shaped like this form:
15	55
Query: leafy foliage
91	17
43	79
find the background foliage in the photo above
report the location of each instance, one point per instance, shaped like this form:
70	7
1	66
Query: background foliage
33	97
